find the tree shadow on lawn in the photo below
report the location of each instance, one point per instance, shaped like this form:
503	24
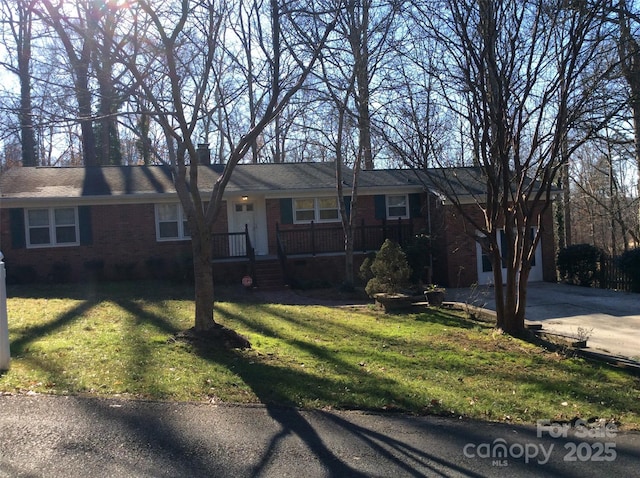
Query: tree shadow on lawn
62	378
285	385
173	452
265	380
278	387
31	334
34	333
96	291
349	327
565	379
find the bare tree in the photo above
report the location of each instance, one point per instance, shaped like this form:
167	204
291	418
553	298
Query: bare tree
350	74
101	29
629	51
413	122
76	38
512	71
185	53
604	209
18	25
341	147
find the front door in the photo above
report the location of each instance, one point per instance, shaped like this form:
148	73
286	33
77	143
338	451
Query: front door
244	215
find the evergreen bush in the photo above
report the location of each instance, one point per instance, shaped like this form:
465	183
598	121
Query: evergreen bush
390	270
629	263
579	264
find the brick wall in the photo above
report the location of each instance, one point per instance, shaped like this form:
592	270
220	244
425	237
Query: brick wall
123	241
322	270
455	262
454	246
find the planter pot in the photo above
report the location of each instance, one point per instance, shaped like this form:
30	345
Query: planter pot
434	297
393	302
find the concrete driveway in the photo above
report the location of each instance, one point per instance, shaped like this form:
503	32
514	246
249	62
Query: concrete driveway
610	318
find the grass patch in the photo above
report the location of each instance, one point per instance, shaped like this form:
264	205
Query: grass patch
117	340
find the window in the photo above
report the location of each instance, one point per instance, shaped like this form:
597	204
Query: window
397	206
304	210
171	223
328	209
52	227
315	209
244	207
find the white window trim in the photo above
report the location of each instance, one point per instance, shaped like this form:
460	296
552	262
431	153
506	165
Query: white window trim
406	208
181	220
316	211
537	255
52	228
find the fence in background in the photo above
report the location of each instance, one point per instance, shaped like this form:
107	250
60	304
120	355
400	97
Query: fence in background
611	277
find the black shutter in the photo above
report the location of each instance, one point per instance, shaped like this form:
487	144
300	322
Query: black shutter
380	203
415	205
16	218
84	219
347	205
286	211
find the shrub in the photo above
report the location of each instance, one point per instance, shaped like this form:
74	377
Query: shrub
155	266
182	269
60	273
21	274
629	263
578	264
390	270
417	252
125	270
365	268
94	269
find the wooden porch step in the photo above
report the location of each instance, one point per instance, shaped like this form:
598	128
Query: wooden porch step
269	275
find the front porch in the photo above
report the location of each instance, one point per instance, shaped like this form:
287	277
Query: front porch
319	238
303	252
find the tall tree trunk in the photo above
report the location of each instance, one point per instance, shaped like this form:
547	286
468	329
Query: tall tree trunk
203	275
83	94
359	41
80	66
629	51
27	132
635	105
349	279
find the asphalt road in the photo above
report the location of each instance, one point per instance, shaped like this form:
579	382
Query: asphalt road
45	436
611	319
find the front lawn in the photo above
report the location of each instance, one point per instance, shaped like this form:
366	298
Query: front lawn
118	340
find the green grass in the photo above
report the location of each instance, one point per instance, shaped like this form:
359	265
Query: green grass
117	341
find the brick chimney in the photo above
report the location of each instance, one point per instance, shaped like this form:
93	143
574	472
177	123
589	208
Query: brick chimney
204	153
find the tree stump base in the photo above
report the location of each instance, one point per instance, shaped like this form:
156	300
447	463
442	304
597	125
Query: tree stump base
218	336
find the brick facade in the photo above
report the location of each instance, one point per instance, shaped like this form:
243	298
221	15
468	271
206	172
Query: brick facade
455	251
123	246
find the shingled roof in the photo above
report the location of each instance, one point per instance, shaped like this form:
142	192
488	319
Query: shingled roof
135	182
118	181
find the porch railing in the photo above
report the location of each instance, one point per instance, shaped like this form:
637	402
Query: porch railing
235	245
316	239
282	257
229	244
